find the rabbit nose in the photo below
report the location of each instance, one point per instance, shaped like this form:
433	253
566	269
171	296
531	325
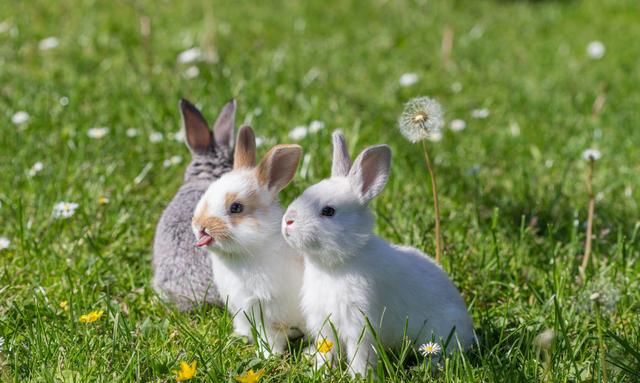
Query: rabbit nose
289	219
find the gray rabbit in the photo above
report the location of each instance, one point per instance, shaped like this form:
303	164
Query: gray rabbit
182	272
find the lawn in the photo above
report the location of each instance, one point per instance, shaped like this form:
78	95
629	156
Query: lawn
512	184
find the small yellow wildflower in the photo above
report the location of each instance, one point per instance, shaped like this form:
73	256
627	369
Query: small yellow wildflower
250	377
186	372
64	305
325	345
91	317
102	200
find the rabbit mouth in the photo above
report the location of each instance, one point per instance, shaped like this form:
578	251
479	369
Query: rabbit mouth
204	239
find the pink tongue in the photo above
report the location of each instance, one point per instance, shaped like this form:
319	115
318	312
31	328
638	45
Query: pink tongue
204	240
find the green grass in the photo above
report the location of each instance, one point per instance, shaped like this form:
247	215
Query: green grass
514	205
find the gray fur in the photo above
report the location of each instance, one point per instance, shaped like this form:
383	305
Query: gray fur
182	273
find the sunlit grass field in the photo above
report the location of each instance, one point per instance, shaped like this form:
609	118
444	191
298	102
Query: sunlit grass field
512	183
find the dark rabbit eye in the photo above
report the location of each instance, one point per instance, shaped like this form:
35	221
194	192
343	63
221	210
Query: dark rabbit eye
236	208
328	211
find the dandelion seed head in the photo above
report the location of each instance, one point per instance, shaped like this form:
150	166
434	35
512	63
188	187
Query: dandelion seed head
422	118
97	133
458	125
48	43
408	79
596	50
544	340
591	155
4	243
20	117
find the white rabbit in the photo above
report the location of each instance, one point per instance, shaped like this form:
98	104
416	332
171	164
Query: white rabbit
238	221
351	274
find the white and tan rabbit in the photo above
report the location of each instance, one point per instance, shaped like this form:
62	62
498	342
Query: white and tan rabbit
181	272
351	274
238	221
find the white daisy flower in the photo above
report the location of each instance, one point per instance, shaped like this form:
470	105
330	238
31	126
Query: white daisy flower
591	155
457	125
132	132
174	160
64	100
179	136
514	128
435	136
315	126
4	26
156	137
628	191
4	243
190	55
408	79
64	209
260	140
35	169
191	72
596	50
20	117
298	133
429	349
456	87
48	43
97	133
480	113
421	119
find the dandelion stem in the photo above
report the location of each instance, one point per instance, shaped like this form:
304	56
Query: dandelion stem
592	205
436	206
601	345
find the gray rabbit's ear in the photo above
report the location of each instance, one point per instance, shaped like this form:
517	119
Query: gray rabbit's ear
244	155
370	172
197	133
223	129
341	162
278	167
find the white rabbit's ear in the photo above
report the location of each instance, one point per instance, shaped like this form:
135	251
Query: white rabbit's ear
278	166
244	155
341	161
370	172
225	124
196	129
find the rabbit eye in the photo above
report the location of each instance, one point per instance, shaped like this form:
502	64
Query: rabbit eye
328	211
236	208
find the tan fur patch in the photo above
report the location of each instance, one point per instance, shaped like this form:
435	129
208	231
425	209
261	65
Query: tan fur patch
215	226
250	204
245	152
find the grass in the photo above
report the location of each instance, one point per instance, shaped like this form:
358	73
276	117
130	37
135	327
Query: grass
512	186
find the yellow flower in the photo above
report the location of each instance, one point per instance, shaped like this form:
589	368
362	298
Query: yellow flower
325	345
91	317
186	371
102	200
64	305
249	377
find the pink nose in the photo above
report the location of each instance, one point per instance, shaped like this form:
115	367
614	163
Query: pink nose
289	222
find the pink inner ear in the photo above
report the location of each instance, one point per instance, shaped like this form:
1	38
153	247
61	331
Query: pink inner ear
196	128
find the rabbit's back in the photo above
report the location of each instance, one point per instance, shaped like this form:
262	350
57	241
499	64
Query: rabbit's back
182	272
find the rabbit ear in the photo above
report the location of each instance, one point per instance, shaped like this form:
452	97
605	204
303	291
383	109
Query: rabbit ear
244	155
341	161
370	172
278	166
225	124
196	128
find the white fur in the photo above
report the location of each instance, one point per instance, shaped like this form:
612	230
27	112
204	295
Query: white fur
257	273
351	274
